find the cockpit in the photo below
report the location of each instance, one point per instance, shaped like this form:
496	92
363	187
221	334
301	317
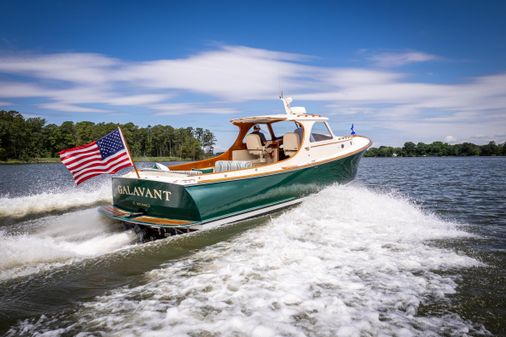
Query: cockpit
272	142
265	140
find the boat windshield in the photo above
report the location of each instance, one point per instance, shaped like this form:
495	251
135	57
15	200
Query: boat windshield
320	131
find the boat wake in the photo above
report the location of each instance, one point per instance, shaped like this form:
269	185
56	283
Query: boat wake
56	200
53	241
347	262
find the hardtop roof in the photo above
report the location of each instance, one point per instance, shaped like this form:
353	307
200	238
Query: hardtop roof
278	118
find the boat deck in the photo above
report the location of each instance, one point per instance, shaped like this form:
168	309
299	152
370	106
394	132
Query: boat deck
318	153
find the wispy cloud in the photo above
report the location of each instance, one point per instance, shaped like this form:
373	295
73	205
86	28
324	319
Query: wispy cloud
231	73
70	67
221	78
390	59
69	107
185	108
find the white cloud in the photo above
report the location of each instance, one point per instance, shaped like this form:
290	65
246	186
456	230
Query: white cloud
385	99
450	139
184	108
71	67
345	77
69	107
232	73
402	58
136	99
16	90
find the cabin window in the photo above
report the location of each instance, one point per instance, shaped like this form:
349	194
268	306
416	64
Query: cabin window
281	128
320	132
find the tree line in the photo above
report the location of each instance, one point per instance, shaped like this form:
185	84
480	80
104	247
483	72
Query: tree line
28	138
411	149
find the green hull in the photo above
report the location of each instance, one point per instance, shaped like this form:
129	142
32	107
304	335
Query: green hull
206	202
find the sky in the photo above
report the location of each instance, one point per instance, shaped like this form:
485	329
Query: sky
399	70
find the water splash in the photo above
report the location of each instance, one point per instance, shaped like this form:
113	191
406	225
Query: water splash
346	262
55	200
54	241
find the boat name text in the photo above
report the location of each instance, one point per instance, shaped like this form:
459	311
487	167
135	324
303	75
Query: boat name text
145	192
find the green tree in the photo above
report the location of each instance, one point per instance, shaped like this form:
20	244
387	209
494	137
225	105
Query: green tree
25	139
421	149
470	149
84	132
491	149
409	149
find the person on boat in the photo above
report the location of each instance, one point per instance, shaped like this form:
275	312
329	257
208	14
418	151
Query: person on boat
266	143
258	131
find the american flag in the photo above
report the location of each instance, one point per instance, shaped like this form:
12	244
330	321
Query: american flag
106	155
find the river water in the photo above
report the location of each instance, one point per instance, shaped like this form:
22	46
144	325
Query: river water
413	247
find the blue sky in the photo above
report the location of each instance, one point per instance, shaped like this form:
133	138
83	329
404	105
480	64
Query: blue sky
398	70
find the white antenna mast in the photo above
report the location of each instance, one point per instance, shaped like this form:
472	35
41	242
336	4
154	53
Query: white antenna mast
286	103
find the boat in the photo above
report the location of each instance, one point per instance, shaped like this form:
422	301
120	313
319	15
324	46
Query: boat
296	154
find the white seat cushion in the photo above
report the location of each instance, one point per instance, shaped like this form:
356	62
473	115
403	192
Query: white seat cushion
231	165
291	143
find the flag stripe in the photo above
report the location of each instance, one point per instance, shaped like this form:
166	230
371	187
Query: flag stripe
66	156
102	168
97	163
93	160
73	159
91	175
74	150
78	164
78	181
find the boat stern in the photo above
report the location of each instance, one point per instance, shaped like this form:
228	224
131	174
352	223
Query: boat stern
149	200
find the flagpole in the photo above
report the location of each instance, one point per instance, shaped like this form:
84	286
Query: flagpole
129	154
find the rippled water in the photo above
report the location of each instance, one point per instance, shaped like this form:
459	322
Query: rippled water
414	247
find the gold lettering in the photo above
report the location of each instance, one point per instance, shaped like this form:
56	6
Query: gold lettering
158	194
144	192
136	191
167	195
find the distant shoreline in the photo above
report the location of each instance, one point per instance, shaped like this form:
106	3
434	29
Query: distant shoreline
57	160
434	156
439	149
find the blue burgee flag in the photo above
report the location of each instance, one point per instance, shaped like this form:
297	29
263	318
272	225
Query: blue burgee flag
353	130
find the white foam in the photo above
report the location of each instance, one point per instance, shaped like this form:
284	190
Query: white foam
346	262
57	240
55	200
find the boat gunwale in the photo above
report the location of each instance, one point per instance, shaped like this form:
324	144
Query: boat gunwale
268	173
283	169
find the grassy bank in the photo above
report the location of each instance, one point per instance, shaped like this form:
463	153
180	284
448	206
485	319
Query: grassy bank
57	160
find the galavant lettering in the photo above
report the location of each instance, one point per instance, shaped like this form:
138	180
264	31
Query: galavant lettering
145	192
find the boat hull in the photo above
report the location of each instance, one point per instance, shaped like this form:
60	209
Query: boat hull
184	206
